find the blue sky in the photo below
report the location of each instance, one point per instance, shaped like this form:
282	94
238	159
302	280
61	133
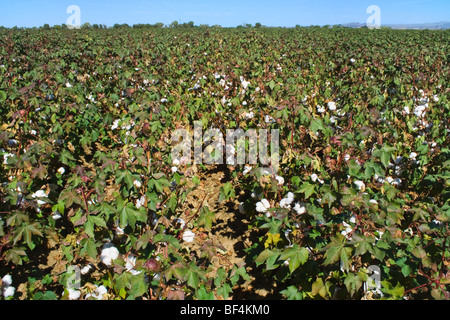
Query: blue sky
227	13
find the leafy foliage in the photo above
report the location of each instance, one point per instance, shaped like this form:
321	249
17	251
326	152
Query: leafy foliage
86	118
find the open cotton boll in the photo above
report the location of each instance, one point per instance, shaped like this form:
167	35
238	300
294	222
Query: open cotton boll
86	269
188	236
320	109
61	170
140	202
74	294
249	115
280	180
300	209
7	280
263	205
56	215
137	183
98	293
285	203
130	263
361	186
39	194
331	105
8	291
109	253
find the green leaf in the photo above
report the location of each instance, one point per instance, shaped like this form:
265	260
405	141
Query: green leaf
202	294
268	256
192	279
308	189
2	96
296	255
292	293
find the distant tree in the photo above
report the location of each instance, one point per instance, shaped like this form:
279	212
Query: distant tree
95	26
159	25
190	24
46	26
173	24
258	25
123	25
86	25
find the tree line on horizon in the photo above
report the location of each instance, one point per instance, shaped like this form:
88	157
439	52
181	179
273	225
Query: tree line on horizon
158	25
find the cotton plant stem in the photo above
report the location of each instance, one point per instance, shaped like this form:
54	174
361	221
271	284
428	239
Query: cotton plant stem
198	209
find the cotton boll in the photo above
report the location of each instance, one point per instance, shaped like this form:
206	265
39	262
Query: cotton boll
137	183
300	209
98	293
109	253
86	269
56	215
39	194
74	294
188	236
280	180
320	109
331	105
413	155
141	202
130	263
61	170
249	115
7	280
406	109
313	177
361	186
285	203
8	291
263	205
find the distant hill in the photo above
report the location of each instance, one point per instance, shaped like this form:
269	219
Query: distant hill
431	26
